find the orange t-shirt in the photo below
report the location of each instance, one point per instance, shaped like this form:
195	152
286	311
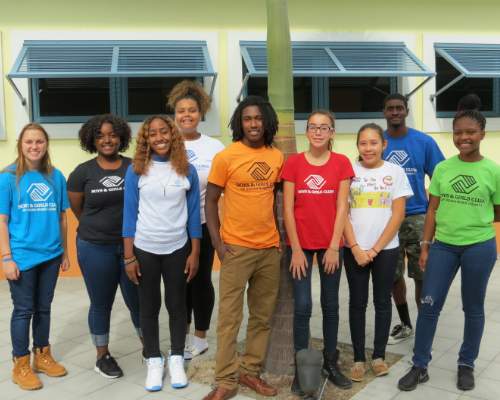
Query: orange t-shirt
248	177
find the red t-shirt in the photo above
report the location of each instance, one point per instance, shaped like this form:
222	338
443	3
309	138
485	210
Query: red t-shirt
316	190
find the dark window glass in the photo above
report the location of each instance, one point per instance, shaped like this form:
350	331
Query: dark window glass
302	92
448	100
149	95
357	95
73	96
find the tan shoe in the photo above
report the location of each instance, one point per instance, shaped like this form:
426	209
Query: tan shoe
358	371
23	375
220	393
44	362
379	367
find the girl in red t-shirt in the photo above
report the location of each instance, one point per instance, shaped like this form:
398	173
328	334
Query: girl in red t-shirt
316	187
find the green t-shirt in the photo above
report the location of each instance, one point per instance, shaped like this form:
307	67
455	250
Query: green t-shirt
467	192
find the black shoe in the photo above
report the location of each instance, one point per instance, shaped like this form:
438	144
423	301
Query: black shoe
465	378
108	367
414	376
331	369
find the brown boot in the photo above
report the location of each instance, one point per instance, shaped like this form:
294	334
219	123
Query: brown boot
43	362
23	375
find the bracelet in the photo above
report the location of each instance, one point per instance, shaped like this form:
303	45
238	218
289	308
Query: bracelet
4	260
376	252
354	245
6	254
130	260
422	242
334	249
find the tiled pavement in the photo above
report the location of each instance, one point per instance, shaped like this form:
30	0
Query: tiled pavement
72	345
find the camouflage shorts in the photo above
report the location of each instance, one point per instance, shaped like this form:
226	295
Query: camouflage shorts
410	235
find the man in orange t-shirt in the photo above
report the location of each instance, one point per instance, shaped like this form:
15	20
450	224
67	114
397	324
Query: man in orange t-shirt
247	243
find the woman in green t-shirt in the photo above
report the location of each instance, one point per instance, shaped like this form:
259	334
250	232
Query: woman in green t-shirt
463	203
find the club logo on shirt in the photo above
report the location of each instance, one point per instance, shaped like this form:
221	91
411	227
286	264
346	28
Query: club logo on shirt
315	182
398	157
260	171
111	181
191	155
39	192
465	184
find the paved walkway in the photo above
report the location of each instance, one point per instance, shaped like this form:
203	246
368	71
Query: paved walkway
72	345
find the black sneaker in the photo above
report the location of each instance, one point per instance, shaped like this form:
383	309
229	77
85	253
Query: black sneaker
414	376
108	367
465	378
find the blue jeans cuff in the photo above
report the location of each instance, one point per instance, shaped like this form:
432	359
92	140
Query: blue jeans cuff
100	340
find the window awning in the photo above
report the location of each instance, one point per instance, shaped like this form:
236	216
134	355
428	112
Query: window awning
472	60
112	59
340	59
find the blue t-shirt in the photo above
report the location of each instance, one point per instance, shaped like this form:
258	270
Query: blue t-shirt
418	154
33	207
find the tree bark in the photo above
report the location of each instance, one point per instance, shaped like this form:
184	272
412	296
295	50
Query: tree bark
280	353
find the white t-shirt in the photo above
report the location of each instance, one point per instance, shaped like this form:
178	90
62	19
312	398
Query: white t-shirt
371	194
200	153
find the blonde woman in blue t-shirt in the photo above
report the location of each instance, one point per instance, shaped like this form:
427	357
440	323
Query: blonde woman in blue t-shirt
33	225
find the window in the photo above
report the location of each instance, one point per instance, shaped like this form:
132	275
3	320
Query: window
461	62
128	78
350	78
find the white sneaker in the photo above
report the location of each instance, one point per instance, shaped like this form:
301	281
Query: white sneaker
154	379
178	378
188	347
399	333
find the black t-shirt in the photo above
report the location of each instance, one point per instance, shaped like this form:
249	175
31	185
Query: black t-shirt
103	189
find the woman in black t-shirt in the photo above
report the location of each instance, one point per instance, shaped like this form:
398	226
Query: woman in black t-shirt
95	190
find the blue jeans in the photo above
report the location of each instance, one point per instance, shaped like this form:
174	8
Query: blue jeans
103	270
476	262
303	303
32	296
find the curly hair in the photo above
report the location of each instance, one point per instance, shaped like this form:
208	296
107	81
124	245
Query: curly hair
396	96
187	89
177	152
474	115
270	119
91	129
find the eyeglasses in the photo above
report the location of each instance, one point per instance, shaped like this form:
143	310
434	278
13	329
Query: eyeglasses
320	128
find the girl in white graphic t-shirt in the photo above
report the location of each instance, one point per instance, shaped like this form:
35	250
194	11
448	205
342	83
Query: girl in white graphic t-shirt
190	103
377	207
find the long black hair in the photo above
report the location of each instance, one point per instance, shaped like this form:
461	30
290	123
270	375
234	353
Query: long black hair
270	119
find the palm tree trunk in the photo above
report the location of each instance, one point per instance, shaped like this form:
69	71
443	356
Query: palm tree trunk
280	91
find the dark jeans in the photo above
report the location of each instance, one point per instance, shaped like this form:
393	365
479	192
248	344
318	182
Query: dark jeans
476	262
103	270
32	296
382	269
200	294
303	303
171	268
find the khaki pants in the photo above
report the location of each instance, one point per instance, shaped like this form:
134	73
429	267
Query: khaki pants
260	269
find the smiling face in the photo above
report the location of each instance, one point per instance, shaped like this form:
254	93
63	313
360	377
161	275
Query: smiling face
159	137
319	131
370	147
467	136
33	147
395	112
107	142
187	115
253	126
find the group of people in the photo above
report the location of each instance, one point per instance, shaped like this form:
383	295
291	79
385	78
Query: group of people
162	215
